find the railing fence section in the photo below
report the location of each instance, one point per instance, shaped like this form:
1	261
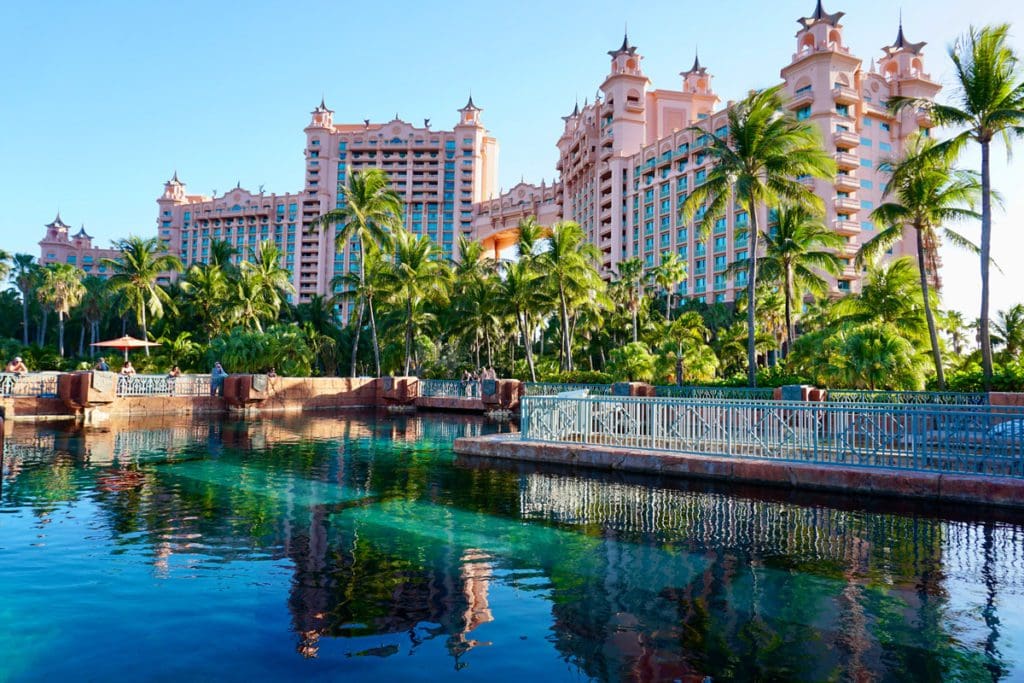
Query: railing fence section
33	384
914	397
739	393
449	388
954	439
553	388
162	385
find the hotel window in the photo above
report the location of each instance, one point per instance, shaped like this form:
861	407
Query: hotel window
700	177
865	204
866	163
842	110
866	142
866	122
867	184
720	244
867	225
681	235
884	147
884	126
803	113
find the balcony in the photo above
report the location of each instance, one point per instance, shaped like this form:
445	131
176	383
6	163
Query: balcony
801	99
924	119
843	94
847	182
846	139
847	204
846	227
847	161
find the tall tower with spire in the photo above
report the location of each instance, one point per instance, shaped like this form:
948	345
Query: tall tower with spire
625	97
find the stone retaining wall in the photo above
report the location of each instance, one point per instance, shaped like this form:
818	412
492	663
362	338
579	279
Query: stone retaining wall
957	488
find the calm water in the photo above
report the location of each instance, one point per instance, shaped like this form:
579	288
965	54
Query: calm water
361	547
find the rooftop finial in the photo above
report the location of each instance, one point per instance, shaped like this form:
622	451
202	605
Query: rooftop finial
820	14
901	42
174	178
470	104
625	48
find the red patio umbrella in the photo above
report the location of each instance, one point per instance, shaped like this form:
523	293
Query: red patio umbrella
124	343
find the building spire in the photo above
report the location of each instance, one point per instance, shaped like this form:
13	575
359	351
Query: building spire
625	48
820	15
470	106
697	68
901	42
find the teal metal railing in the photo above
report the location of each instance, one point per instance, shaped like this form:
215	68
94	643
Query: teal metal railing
449	388
936	438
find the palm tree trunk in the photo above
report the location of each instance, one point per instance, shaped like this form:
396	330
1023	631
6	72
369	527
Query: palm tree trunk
751	289
408	335
42	327
986	246
790	330
373	336
24	318
933	334
679	365
145	332
355	341
527	344
60	333
634	306
668	304
81	340
566	363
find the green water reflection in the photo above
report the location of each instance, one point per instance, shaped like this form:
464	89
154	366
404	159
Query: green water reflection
368	539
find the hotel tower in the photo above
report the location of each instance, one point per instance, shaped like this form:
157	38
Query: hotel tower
626	164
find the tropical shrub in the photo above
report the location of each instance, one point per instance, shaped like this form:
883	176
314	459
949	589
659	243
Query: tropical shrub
631	363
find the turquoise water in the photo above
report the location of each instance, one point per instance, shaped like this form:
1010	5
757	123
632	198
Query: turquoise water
360	547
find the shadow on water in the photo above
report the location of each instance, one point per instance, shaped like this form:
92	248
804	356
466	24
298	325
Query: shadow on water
394	545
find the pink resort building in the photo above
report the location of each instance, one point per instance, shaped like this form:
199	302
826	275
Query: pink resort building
628	159
626	162
440	174
59	246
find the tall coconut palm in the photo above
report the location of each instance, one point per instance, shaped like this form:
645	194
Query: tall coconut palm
631	277
417	276
272	282
924	192
135	275
61	289
569	266
5	265
521	291
796	253
221	254
25	278
758	164
95	303
890	293
472	263
686	333
205	289
371	211
1009	330
364	285
668	275
954	325
988	102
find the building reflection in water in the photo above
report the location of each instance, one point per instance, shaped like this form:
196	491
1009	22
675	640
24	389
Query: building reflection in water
645	580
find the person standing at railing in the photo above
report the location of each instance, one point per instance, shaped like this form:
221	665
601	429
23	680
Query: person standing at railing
127	368
217	377
102	366
17	366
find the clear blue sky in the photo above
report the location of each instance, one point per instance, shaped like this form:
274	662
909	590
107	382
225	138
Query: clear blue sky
103	101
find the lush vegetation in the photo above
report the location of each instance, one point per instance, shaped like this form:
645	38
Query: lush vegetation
548	314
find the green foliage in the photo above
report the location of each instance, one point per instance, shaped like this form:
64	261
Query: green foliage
282	347
1005	377
579	377
631	363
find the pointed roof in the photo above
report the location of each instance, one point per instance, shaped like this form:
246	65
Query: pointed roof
470	106
322	108
174	179
625	48
902	43
82	233
696	68
57	223
819	15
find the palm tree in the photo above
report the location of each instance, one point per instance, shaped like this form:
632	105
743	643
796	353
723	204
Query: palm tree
206	292
221	253
272	282
890	294
363	286
953	324
61	289
417	276
569	267
1009	330
5	265
371	210
135	276
687	332
796	252
95	303
473	263
758	163
25	279
878	356
521	291
631	276
923	192
988	102
668	275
